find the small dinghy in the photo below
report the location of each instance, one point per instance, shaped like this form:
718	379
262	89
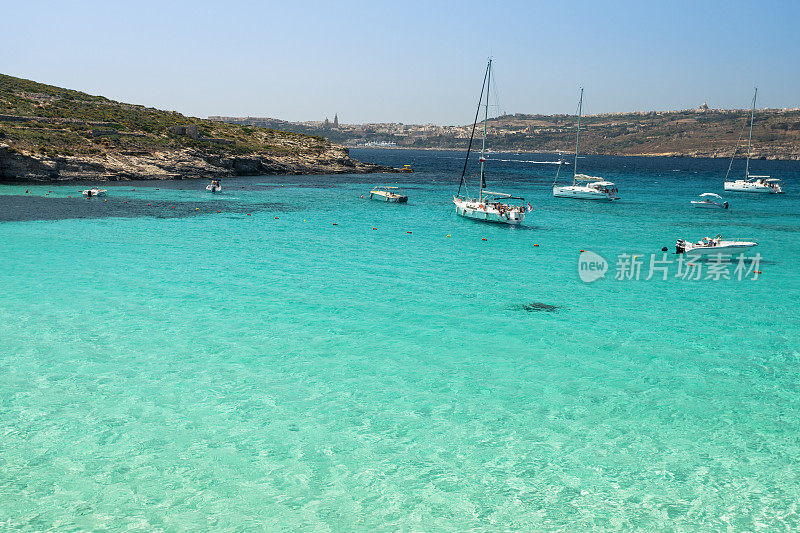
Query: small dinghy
214	186
94	191
388	194
709	245
709	201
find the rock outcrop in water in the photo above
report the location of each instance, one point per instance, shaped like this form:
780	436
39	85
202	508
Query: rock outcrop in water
49	133
534	306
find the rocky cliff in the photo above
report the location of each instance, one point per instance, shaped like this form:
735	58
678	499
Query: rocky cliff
187	163
50	133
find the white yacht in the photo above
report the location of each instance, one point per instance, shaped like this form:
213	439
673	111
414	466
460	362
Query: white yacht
214	186
94	191
756	184
712	245
388	194
710	201
750	183
489	206
584	187
587	188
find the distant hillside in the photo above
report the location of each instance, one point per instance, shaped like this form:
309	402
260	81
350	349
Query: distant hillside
711	133
697	133
48	132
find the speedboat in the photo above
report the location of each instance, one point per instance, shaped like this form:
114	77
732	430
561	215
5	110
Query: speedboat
489	206
584	187
388	194
406	169
750	183
214	186
94	191
711	245
595	189
709	201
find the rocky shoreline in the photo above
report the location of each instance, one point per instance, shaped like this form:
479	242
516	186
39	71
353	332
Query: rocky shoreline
187	163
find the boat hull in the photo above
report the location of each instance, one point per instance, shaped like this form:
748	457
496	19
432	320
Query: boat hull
708	205
486	213
393	199
746	186
725	248
582	193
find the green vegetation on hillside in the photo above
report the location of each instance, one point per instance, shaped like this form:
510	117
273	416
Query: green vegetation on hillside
51	121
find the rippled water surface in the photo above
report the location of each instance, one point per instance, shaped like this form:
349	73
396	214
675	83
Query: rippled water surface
288	354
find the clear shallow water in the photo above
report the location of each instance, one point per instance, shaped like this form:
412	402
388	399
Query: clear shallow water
186	369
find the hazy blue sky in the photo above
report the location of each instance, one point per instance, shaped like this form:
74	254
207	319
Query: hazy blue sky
408	61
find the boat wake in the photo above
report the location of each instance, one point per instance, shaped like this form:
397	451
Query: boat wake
532	162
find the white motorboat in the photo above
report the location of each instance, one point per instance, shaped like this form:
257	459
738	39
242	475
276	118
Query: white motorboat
584	187
388	194
94	191
750	183
709	201
489	206
214	186
712	245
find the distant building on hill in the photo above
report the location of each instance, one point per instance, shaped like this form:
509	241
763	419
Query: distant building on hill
336	120
703	108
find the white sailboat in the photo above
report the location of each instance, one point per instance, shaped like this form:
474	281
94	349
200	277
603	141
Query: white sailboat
585	187
762	184
489	205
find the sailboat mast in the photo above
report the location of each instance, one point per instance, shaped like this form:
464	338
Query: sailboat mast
750	138
577	138
485	119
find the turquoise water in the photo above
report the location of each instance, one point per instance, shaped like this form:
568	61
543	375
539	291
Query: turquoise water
183	369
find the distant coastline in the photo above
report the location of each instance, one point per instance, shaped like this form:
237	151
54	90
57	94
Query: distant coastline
567	155
702	132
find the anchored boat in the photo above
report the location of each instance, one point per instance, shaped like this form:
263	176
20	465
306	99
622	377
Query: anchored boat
388	194
214	186
762	184
584	187
709	201
489	206
94	191
712	245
